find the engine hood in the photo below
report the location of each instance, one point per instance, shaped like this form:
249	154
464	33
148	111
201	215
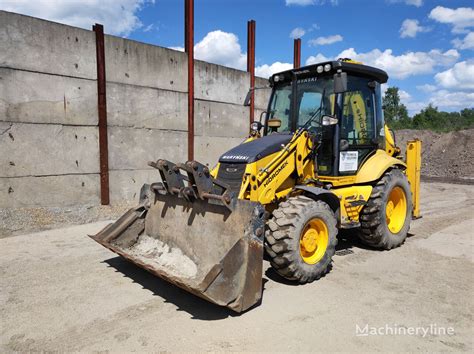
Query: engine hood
256	149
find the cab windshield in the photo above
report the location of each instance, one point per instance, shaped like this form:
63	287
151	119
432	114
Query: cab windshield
313	93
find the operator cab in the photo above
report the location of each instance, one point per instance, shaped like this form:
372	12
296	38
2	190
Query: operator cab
338	101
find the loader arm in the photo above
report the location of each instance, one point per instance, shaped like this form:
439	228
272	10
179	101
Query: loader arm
292	163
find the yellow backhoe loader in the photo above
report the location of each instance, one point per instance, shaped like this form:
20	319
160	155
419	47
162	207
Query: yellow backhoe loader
322	160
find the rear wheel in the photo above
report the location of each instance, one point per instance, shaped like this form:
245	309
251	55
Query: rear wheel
301	239
385	220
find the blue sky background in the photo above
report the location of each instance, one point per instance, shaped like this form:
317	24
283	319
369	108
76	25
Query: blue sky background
426	46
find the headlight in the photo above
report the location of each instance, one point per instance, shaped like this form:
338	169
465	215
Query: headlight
319	69
327	67
255	126
276	78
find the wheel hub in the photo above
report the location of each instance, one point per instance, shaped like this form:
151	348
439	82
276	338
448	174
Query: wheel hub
396	209
314	241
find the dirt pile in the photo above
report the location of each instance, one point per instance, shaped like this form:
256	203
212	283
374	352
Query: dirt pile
446	155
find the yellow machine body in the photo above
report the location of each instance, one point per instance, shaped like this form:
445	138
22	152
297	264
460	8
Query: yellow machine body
206	230
274	177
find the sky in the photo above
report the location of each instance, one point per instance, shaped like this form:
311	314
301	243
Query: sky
426	46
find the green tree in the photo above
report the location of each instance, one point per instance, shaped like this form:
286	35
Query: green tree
428	118
395	112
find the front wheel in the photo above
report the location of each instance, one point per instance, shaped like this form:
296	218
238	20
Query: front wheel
301	239
385	220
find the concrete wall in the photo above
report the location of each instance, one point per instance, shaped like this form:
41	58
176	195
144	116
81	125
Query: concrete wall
49	152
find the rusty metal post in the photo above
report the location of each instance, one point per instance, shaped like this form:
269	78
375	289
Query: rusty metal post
251	64
102	112
297	53
189	48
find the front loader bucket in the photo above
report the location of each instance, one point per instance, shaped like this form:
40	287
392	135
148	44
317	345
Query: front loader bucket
210	249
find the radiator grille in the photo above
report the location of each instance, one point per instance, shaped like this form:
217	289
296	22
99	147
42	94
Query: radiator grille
231	174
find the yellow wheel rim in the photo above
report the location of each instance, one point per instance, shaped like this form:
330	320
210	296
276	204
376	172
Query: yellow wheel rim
396	210
314	241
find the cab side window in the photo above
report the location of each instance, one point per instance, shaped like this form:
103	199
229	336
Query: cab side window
358	114
358	125
279	118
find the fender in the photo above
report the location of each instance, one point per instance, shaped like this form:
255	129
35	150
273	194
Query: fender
375	167
324	195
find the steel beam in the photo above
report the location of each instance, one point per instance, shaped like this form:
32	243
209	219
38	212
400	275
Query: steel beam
297	53
251	64
189	48
102	112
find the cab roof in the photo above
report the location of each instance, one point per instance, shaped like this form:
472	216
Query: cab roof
346	65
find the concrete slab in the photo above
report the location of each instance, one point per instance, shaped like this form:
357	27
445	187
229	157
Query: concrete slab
33	44
126	185
144	107
131	62
47	149
61	190
132	148
220	119
218	83
42	98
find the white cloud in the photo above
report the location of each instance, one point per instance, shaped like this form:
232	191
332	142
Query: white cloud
397	66
465	43
178	48
416	3
410	28
318	58
118	16
426	88
326	40
297	32
222	48
148	28
404	96
268	70
404	65
300	2
459	77
311	2
456	100
413	107
460	18
313	27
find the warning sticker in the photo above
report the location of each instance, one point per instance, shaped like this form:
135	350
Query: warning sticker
348	161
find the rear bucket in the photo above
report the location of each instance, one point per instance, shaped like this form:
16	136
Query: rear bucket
204	248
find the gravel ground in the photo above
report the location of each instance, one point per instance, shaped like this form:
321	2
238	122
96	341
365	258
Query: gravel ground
62	291
16	221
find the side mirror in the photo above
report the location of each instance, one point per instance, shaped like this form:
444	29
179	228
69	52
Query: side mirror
249	94
329	120
340	82
248	98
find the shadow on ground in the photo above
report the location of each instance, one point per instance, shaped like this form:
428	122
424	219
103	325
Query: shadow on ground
198	308
203	310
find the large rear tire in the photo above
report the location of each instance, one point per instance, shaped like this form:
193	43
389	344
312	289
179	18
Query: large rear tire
385	220
301	239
